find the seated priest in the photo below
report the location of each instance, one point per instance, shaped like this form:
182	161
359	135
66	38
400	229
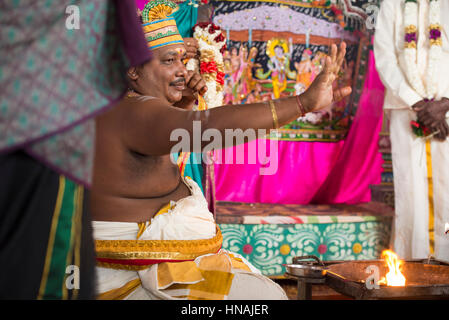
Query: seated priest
155	237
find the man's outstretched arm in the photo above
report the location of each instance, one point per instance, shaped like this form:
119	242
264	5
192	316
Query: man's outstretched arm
148	125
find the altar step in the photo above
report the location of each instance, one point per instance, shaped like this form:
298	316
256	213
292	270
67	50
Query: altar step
270	235
319	291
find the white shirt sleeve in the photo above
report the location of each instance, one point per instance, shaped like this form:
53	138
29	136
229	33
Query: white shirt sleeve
385	54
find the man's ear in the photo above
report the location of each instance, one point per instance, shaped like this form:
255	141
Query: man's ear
132	73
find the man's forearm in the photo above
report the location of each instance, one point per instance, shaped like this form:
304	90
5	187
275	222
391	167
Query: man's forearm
155	129
227	119
259	115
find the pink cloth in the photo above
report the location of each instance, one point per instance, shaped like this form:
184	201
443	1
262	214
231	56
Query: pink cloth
141	3
316	172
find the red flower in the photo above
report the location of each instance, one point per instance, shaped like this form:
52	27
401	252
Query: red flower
419	129
204	1
213	28
222	50
336	10
202	25
426	131
219	38
220	77
414	124
208	67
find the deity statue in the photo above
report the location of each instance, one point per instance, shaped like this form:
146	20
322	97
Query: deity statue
237	66
305	71
318	62
227	68
240	75
247	82
279	65
251	63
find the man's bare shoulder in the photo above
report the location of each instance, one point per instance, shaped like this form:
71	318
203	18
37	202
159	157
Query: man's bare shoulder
131	104
140	101
132	108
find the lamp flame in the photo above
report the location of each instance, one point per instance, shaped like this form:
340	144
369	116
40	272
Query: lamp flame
394	277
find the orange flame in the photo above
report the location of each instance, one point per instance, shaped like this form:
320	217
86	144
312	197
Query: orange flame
394	277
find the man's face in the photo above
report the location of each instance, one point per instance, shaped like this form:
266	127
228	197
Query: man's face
279	51
164	76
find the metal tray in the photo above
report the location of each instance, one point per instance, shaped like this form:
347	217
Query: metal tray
306	269
425	280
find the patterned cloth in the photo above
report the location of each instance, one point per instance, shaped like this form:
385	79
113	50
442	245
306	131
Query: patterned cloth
175	255
54	79
45	233
159	25
186	16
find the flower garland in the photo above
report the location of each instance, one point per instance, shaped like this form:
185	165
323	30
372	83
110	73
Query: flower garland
211	45
429	91
339	17
411	22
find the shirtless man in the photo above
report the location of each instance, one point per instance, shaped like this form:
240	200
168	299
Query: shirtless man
129	177
134	176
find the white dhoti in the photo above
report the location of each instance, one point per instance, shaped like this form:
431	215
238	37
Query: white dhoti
421	186
177	255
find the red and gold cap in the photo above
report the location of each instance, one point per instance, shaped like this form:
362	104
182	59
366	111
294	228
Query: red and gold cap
159	25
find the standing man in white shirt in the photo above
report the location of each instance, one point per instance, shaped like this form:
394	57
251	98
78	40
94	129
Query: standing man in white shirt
411	48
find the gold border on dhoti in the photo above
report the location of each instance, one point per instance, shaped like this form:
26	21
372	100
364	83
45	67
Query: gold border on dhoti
157	249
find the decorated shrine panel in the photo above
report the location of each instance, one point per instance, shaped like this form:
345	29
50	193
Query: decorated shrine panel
277	48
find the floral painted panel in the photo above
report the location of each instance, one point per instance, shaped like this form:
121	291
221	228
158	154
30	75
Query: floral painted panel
269	246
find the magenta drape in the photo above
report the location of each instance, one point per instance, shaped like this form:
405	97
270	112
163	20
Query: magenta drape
315	172
141	3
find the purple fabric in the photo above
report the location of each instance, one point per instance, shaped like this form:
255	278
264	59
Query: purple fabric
315	172
141	3
54	79
133	40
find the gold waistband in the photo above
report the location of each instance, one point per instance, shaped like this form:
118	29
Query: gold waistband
157	249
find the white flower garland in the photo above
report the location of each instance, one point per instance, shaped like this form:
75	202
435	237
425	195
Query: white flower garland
209	51
410	52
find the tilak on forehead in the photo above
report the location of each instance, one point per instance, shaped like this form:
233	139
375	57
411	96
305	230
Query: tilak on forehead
159	26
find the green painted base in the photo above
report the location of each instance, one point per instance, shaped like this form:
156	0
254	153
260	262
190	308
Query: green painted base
269	246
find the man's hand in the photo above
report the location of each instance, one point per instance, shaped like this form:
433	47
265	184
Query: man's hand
432	114
321	93
195	83
192	48
419	105
443	130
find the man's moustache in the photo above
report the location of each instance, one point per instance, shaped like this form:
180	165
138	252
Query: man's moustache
180	81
